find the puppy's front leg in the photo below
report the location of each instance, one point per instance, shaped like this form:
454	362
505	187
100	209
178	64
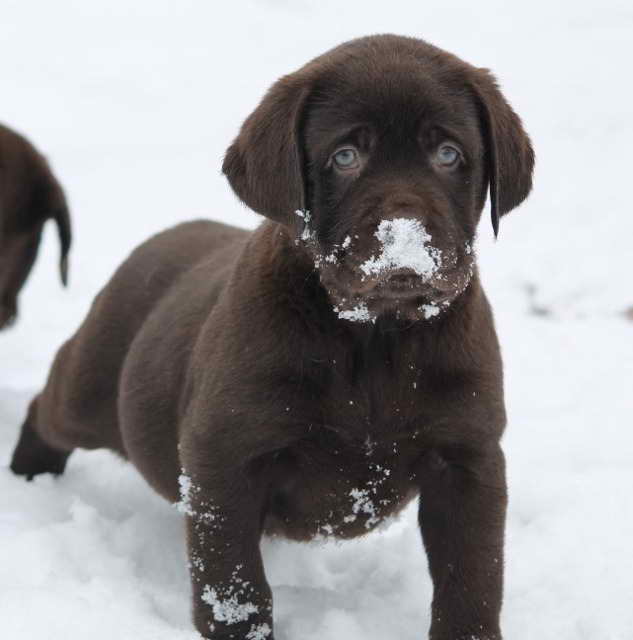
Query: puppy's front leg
224	507
462	516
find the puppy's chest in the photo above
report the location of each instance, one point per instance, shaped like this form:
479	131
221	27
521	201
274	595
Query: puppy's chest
368	431
331	487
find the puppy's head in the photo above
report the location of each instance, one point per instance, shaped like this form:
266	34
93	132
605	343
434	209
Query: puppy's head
379	155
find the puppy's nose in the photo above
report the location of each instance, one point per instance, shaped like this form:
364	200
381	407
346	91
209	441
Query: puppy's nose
405	206
407	210
414	215
371	224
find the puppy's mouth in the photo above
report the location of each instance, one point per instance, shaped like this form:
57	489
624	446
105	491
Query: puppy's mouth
402	293
399	284
400	272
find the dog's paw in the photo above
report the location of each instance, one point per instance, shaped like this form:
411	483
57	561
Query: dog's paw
32	456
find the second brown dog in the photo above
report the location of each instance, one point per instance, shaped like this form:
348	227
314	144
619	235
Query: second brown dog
29	196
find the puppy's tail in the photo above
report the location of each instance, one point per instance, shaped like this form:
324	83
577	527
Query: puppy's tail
53	205
61	215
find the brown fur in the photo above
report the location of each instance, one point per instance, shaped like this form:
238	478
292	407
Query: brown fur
216	353
29	196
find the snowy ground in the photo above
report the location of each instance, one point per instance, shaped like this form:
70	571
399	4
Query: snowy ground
135	103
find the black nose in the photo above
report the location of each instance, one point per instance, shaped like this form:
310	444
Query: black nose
405	205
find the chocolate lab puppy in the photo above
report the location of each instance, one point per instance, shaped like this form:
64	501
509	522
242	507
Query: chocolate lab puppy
311	378
29	196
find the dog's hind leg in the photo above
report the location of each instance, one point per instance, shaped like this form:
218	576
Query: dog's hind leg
32	454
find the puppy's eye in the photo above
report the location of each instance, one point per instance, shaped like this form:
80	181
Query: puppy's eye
346	159
447	156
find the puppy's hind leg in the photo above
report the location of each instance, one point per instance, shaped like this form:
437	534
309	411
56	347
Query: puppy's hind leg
32	454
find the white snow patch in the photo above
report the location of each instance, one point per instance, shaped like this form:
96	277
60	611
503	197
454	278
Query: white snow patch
259	632
332	257
429	310
306	234
360	313
362	500
186	489
364	504
197	562
405	244
206	515
228	609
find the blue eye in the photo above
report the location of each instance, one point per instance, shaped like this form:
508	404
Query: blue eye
447	155
346	159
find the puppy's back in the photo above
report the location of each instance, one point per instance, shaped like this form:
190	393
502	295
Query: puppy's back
81	394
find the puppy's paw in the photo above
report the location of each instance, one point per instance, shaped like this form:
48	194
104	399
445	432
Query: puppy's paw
8	314
33	456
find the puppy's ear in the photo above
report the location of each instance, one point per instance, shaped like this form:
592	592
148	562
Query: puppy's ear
264	165
509	153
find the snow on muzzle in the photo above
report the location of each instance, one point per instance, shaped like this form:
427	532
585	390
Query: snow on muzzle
398	267
405	244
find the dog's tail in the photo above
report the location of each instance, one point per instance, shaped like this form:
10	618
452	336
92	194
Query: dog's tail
61	214
62	218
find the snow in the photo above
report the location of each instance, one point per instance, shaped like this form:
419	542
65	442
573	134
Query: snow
405	243
306	235
429	310
135	104
363	504
228	609
360	313
186	488
259	632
